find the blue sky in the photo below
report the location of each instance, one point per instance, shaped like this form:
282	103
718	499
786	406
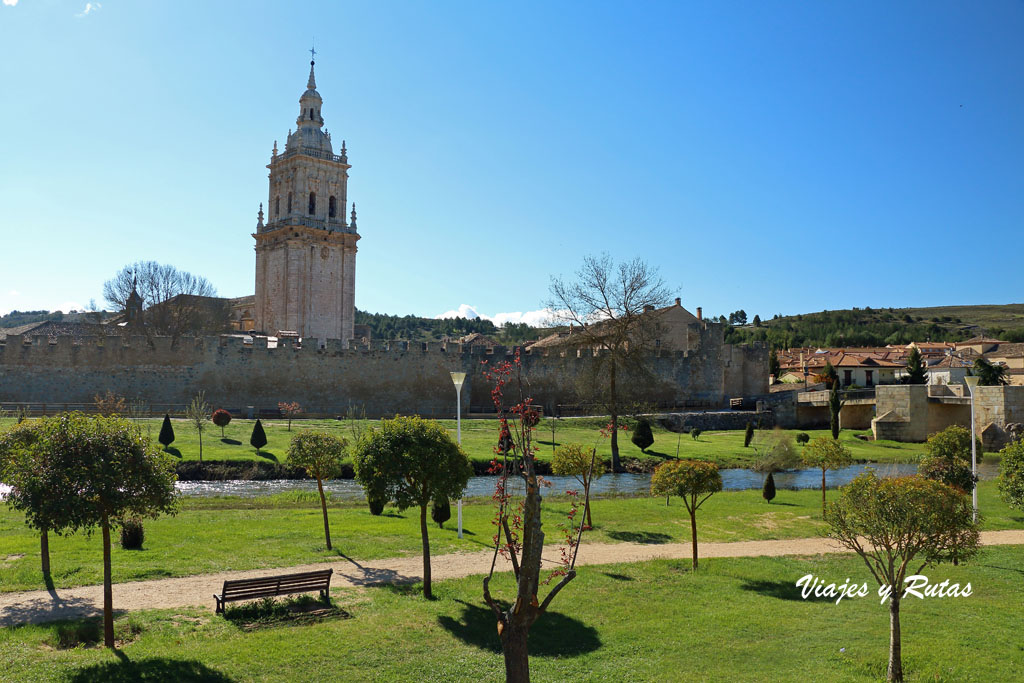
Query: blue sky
775	157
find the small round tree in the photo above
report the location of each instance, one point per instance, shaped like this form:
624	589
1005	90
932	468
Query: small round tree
1011	474
695	433
825	454
320	454
25	467
748	434
892	523
222	419
643	437
768	490
692	480
441	511
412	462
581	462
258	439
947	458
166	437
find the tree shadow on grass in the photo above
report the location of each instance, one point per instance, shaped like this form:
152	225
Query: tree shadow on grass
231	442
783	590
791	505
659	454
267	455
553	635
646	537
173	451
618	577
156	669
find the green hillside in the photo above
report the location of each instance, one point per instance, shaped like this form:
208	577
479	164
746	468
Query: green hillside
880	326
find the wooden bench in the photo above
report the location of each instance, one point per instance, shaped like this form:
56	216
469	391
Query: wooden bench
270	586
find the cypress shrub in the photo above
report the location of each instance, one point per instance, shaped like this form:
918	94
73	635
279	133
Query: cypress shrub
166	432
259	437
441	511
643	437
768	492
748	435
376	504
132	534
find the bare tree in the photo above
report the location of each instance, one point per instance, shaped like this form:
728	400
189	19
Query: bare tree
605	306
174	302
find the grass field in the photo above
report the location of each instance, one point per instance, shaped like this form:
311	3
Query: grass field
737	619
210	535
479	436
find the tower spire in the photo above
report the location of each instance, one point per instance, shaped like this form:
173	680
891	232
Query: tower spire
352	221
311	83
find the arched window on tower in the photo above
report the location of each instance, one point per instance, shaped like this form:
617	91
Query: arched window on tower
289	202
312	203
332	207
277	206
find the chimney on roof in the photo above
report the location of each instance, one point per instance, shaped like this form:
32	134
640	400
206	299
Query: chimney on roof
700	312
648	308
679	302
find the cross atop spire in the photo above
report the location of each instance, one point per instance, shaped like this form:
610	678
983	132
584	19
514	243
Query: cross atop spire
312	53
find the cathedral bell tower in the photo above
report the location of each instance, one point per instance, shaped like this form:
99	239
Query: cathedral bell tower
306	250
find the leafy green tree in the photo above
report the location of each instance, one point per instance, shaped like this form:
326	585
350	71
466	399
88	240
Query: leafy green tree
258	439
774	368
692	480
748	435
917	372
643	437
98	471
1011	474
757	320
198	412
412	461
775	452
825	454
166	432
695	433
828	375
581	462
895	523
320	454
25	467
990	374
768	490
947	458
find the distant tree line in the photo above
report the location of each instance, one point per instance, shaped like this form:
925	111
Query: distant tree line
857	327
414	328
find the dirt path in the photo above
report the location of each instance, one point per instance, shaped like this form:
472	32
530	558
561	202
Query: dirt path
41	605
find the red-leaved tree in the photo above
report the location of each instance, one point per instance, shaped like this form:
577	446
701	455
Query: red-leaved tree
518	535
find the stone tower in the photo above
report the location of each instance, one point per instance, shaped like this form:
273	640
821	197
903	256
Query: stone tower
306	250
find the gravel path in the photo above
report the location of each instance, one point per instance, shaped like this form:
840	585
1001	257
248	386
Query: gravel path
39	606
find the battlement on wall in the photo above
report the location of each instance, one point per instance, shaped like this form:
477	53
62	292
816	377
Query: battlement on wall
184	350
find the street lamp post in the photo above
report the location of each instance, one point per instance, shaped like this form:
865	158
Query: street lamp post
972	384
458	378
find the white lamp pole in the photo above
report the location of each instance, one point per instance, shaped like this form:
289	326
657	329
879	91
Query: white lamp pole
458	378
972	384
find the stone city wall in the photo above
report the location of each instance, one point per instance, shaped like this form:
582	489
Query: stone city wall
383	378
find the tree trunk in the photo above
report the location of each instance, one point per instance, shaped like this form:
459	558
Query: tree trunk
614	410
822	491
517	654
895	672
200	445
323	506
108	592
44	550
590	522
426	553
693	534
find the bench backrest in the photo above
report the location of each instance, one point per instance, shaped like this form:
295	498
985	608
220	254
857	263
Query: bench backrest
277	585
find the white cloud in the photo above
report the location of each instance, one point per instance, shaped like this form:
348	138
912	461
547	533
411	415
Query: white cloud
89	7
14	292
10	3
534	318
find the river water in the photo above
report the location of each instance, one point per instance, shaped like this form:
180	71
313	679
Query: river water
608	485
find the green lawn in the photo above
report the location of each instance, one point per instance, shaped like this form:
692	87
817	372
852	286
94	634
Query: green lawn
737	619
210	535
479	436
